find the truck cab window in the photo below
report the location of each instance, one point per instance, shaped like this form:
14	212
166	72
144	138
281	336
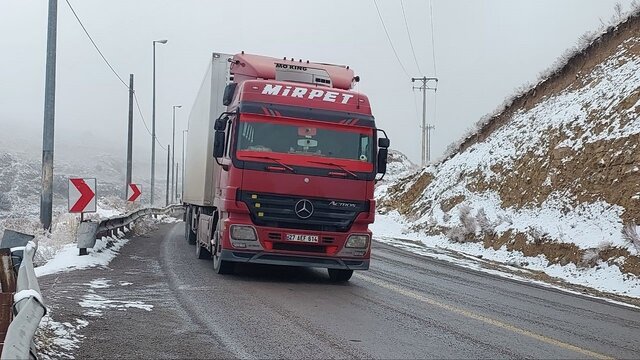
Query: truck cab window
291	138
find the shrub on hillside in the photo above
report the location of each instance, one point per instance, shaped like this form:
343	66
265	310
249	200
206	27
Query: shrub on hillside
590	258
467	230
630	235
486	226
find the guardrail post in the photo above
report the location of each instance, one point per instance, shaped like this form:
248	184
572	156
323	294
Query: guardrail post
86	236
8	283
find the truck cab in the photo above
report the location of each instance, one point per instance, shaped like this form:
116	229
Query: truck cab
296	157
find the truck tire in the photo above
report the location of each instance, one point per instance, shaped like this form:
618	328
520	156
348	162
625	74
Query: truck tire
189	235
220	266
339	275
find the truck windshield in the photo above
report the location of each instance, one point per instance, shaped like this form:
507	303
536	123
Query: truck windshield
297	142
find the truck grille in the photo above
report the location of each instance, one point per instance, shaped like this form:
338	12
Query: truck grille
280	211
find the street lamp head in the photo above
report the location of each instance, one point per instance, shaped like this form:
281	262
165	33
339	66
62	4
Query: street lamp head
161	41
177	106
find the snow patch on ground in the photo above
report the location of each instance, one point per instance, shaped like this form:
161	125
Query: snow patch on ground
56	340
168	219
99	283
390	227
95	304
67	258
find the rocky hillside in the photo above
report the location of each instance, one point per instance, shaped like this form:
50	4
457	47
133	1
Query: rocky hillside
554	174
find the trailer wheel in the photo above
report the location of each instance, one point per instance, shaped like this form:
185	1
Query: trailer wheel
189	235
340	275
220	266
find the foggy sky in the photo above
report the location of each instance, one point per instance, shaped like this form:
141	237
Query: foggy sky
483	50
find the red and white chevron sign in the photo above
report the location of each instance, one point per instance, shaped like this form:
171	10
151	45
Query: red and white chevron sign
134	192
82	195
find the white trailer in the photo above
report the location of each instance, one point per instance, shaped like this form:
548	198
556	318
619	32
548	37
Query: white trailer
199	162
201	170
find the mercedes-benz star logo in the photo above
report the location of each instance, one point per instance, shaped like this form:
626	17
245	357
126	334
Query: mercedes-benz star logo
304	209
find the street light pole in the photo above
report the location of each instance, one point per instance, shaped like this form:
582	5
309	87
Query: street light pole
129	139
168	165
177	166
173	150
153	122
182	191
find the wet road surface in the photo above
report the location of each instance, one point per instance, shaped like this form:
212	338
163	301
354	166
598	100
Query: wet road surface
162	302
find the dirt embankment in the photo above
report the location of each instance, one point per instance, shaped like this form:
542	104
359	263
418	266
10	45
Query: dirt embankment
403	195
589	157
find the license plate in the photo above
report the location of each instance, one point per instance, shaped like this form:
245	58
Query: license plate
302	238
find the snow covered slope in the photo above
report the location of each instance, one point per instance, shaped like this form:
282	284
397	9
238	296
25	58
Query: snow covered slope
554	175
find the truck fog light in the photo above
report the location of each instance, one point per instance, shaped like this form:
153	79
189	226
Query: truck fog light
243	232
359	241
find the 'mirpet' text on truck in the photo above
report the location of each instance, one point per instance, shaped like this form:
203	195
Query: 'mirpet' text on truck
280	167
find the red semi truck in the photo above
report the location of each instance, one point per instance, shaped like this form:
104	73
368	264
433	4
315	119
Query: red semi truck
280	166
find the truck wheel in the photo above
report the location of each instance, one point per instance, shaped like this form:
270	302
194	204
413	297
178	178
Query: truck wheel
189	235
201	252
220	266
340	275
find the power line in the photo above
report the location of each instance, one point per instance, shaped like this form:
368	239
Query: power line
406	25
389	38
96	46
433	43
113	70
135	97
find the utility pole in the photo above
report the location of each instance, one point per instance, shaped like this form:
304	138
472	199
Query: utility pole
429	128
426	146
129	139
168	167
46	194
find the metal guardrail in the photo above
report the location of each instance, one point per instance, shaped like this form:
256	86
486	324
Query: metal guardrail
28	309
89	231
28	306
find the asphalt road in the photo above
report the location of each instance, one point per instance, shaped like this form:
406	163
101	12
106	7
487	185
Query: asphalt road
405	306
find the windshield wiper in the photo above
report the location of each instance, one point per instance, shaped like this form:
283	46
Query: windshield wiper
336	165
272	159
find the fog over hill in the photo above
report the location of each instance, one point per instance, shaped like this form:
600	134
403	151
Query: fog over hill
20	178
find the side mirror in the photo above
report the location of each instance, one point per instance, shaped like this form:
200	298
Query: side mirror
382	159
220	124
229	91
218	144
384	143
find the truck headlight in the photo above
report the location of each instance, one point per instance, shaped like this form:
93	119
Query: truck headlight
243	232
360	241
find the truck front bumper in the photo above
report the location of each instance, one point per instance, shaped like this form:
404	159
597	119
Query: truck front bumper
294	260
